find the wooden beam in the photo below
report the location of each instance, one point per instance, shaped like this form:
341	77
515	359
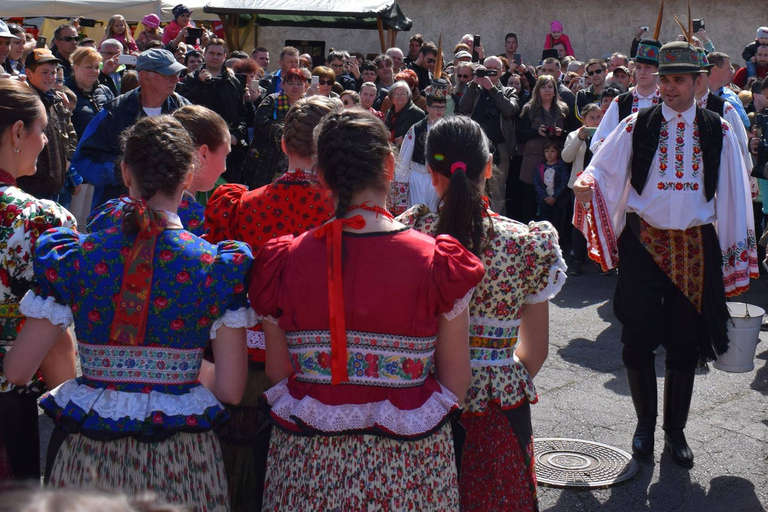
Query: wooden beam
380	25
246	33
391	32
227	30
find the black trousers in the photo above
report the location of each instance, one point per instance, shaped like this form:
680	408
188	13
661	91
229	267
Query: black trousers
653	311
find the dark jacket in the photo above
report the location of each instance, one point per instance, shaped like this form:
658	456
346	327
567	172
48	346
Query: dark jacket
505	100
584	97
749	51
88	104
269	82
64	62
53	162
224	95
99	146
425	77
265	156
398	124
528	132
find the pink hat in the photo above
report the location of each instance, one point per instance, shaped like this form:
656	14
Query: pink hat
555	26
151	21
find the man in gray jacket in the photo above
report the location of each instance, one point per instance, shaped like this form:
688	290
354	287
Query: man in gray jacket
495	108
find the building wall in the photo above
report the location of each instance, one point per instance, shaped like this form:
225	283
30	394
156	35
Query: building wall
595	27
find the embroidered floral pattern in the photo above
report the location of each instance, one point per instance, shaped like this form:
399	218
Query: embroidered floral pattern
110	214
372	358
150	365
738	252
678	186
663	148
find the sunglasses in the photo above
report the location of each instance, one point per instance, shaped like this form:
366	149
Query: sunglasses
325	82
464	76
68	39
595	72
431	61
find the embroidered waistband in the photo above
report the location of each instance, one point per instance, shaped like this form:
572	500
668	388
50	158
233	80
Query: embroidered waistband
146	365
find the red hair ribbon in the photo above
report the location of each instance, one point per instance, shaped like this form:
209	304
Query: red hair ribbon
338	328
458	165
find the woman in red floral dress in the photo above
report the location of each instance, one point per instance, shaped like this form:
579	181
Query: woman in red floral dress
293	204
508	326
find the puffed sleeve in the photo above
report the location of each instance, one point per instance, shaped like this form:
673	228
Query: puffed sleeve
221	212
233	263
456	272
56	264
105	216
266	277
413	215
545	268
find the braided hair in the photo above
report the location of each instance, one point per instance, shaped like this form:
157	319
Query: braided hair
352	146
300	123
458	149
160	154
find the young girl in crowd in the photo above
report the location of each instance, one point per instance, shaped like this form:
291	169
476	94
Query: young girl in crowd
212	141
23	219
550	182
556	36
366	333
508	328
151	32
577	152
146	299
118	29
296	202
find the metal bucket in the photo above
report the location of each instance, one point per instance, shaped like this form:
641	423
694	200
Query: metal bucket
743	334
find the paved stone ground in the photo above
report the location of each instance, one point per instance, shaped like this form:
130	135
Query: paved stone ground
583	394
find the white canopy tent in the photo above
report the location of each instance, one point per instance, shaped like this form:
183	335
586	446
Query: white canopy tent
132	10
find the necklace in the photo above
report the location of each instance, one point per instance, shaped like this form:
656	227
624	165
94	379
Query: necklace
371	207
7	179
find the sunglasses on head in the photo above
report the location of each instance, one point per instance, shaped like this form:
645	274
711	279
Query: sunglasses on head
325	82
68	39
595	72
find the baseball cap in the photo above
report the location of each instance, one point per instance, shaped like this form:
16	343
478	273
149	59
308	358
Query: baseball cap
4	32
159	61
40	56
463	54
621	68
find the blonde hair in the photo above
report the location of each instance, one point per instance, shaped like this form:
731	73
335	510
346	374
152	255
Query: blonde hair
85	55
108	31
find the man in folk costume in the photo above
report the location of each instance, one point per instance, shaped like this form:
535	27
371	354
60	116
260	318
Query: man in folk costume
659	182
644	94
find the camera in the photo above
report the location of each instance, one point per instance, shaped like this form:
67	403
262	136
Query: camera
486	72
761	123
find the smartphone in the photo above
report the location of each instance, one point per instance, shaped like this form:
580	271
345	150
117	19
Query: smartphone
315	80
518	59
582	81
127	60
193	34
698	24
591	130
87	22
243	79
476	42
41	42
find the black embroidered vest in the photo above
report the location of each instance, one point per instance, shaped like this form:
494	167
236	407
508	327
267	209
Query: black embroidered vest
716	104
645	142
625	105
420	142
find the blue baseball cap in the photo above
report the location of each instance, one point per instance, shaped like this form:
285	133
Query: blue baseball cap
159	61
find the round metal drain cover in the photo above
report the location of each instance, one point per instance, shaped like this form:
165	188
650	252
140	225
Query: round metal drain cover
576	463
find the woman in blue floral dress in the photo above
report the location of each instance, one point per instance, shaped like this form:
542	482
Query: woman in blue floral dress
212	141
141	416
508	324
23	219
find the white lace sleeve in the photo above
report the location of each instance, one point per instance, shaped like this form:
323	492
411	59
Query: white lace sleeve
459	305
34	306
243	317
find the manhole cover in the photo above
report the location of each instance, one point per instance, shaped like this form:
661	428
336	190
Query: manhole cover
577	463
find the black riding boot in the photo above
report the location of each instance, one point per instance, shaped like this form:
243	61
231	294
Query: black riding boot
678	390
642	387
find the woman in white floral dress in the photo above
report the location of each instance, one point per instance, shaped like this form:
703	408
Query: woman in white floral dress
508	329
22	219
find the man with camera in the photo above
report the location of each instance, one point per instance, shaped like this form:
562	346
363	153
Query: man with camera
495	108
653	193
215	87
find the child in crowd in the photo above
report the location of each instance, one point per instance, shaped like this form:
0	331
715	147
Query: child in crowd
556	36
576	151
151	32
550	181
181	19
750	50
607	96
118	29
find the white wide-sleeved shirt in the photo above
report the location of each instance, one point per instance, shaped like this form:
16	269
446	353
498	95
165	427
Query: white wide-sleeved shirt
611	117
